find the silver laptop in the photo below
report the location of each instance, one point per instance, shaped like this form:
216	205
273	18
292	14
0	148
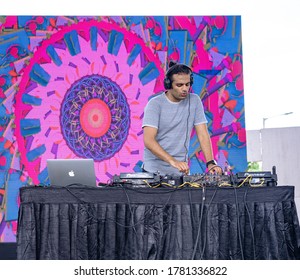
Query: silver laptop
71	172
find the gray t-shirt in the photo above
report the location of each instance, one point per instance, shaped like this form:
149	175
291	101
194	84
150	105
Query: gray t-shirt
174	121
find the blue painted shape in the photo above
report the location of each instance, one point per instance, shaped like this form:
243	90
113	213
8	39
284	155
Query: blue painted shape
149	73
53	55
230	40
18	39
115	41
197	166
12	193
35	153
134	20
178	41
72	42
164	29
189	51
3	112
15	37
198	84
30	126
39	75
5	154
208	73
44	178
24	20
236	95
133	54
236	157
138	166
32	100
3	175
93	37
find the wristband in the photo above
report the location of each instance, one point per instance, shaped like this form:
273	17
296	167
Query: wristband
211	162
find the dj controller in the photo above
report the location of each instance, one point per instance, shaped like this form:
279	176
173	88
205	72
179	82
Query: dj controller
240	179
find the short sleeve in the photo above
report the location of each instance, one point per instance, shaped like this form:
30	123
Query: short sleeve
199	112
151	114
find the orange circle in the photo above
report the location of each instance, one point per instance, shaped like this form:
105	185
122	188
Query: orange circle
95	118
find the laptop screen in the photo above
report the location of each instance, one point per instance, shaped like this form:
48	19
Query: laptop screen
67	172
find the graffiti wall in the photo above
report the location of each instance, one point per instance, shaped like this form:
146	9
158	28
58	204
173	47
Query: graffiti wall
60	77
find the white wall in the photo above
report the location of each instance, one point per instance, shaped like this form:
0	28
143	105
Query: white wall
254	152
279	147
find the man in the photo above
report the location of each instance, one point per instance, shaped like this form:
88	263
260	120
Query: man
168	121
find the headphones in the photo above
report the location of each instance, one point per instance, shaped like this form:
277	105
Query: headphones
175	69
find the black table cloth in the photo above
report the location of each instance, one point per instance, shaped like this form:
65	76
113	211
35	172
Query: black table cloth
81	222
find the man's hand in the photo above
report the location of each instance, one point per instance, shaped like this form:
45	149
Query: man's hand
182	166
214	169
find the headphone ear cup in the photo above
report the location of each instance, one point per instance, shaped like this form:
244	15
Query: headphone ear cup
167	83
191	79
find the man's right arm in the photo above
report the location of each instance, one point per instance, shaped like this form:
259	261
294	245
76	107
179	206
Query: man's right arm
152	145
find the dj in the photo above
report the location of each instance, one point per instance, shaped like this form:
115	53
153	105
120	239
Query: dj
168	121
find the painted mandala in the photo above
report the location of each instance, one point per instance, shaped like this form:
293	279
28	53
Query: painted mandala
78	95
95	118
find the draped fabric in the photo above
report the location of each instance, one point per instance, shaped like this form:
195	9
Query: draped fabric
144	223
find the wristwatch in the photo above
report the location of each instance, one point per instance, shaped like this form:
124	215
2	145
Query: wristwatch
211	162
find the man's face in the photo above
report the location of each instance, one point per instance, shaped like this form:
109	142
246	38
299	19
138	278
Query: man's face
180	87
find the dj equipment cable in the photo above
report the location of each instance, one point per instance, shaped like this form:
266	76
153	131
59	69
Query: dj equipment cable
205	236
132	221
187	129
191	204
250	223
91	214
128	199
238	223
199	225
153	208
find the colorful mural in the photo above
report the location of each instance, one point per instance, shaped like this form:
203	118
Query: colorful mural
62	77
